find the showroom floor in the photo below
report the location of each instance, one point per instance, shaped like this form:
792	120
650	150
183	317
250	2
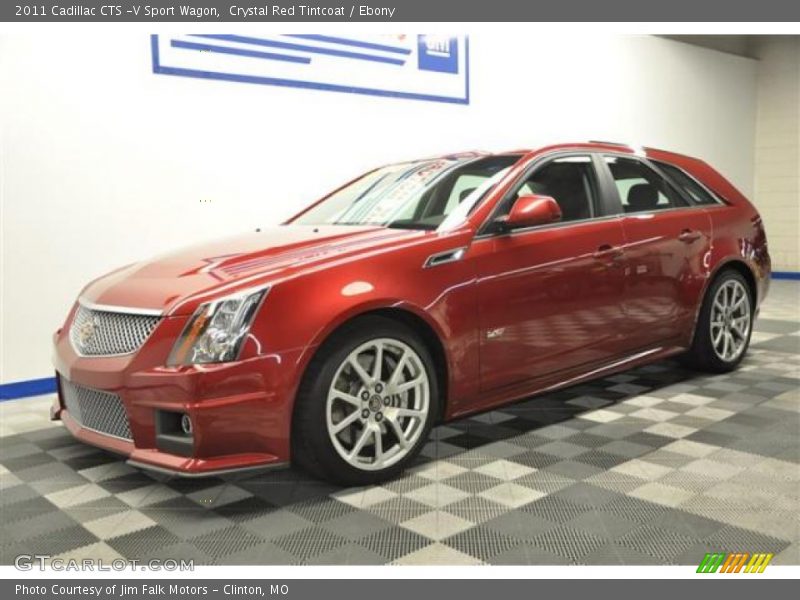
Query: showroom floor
655	466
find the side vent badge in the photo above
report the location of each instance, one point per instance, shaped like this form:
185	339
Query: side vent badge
442	258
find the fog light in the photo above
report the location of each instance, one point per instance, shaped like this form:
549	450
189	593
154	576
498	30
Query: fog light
186	424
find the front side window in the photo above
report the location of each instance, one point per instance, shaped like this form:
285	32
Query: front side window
570	181
414	195
688	186
640	188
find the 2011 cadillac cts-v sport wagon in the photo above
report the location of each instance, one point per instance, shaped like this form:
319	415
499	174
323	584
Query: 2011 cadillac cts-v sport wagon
417	293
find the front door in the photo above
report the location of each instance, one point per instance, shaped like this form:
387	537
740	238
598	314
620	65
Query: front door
550	297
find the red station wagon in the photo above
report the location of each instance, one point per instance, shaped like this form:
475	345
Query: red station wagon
419	292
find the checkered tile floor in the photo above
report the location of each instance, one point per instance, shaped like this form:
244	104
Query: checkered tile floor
654	466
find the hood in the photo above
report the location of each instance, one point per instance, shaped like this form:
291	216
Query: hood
166	282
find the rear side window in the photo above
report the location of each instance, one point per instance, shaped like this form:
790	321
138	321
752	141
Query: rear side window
688	185
640	188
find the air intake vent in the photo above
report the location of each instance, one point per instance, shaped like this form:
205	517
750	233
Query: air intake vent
99	411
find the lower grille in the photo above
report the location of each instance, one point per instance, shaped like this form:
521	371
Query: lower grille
102	412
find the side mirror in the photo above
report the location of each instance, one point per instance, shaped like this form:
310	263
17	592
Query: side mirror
529	211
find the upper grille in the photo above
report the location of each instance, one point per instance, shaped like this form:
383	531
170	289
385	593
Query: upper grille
104	333
102	412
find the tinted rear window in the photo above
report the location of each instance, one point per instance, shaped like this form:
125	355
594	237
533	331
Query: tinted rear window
640	187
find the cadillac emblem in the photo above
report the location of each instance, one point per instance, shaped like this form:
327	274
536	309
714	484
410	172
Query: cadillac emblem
86	332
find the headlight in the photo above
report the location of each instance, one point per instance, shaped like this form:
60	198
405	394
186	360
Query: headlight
217	329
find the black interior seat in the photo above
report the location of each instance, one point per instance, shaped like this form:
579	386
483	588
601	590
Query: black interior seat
642	197
565	183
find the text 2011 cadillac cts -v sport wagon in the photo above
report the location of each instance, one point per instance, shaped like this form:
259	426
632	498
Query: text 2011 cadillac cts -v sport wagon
419	292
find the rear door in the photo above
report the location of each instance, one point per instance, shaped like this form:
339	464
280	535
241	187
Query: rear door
667	245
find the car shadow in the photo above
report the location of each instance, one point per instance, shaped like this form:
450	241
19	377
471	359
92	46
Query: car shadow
471	440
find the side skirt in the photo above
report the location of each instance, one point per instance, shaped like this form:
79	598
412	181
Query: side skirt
549	383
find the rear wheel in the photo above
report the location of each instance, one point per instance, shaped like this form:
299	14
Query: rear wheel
723	330
366	404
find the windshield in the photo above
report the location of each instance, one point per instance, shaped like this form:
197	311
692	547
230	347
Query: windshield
412	195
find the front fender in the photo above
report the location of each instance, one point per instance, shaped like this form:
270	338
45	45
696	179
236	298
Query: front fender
302	311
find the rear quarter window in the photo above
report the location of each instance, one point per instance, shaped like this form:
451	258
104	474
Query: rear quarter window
687	185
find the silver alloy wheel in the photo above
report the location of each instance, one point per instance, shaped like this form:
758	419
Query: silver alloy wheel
730	320
378	404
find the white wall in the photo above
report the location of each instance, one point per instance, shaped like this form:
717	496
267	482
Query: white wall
104	163
777	167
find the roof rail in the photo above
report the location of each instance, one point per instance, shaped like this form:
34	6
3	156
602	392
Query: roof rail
611	143
637	149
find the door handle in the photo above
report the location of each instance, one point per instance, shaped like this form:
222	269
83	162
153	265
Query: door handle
689	235
608	251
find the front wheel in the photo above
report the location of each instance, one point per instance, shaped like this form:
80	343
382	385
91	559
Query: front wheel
724	325
367	403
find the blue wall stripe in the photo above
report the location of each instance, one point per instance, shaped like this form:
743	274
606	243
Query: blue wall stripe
24	389
308	85
348	42
240	52
243	39
786	275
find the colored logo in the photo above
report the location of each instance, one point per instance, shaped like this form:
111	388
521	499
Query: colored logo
736	562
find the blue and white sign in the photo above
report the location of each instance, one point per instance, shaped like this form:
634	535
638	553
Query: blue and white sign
417	67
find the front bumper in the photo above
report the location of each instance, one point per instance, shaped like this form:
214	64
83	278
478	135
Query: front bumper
240	411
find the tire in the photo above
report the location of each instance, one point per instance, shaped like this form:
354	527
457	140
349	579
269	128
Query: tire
709	351
342	410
